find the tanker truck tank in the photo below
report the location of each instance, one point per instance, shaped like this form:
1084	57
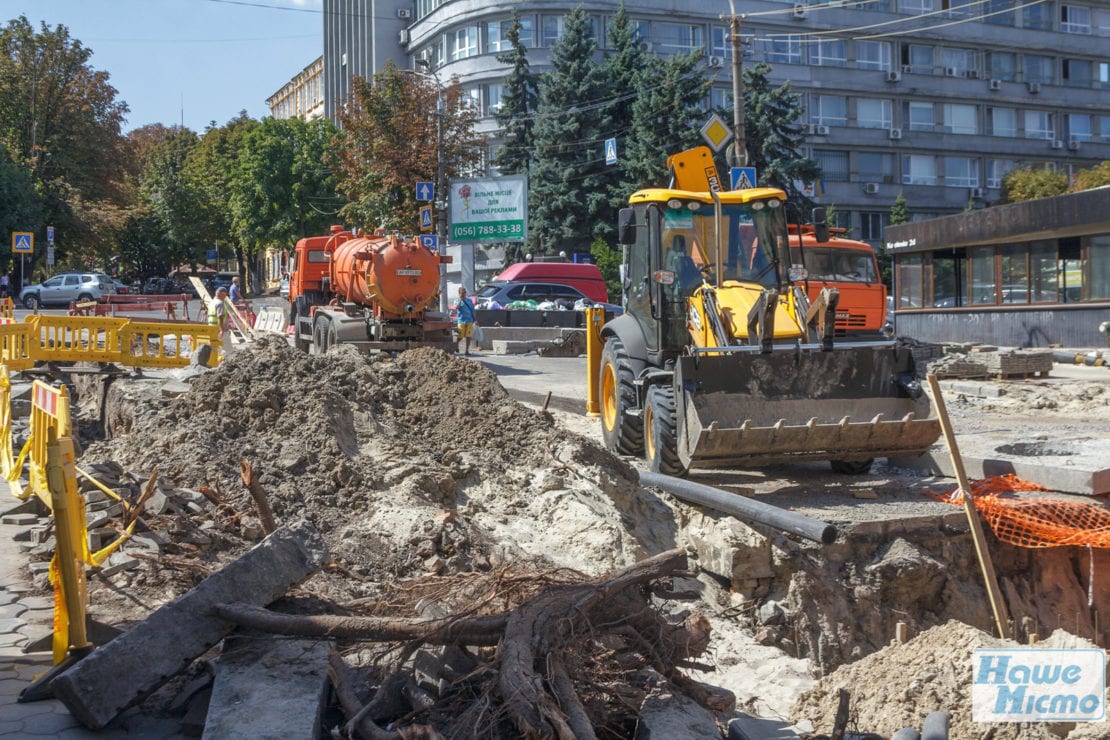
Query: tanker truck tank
372	292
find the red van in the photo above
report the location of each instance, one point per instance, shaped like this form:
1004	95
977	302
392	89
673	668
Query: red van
587	278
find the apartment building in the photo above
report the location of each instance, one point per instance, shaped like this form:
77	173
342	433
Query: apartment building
935	99
302	96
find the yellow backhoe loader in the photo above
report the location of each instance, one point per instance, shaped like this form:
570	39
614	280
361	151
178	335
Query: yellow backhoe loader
720	359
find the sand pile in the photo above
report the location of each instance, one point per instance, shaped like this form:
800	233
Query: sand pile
410	465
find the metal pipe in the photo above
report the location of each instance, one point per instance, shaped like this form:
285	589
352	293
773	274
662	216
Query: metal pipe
742	507
935	727
1065	357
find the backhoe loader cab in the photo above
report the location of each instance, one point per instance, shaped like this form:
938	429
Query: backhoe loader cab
720	359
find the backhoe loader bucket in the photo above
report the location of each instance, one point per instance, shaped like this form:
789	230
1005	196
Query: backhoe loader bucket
852	404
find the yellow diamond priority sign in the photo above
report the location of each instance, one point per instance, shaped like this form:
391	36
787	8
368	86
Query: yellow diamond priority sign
716	132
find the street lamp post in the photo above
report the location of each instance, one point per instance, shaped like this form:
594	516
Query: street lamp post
738	149
441	201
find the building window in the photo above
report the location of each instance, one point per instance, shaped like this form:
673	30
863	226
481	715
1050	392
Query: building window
834	164
873	55
946	273
875	167
1076	72
1037	16
919	169
1098	257
677	38
1014	270
909	280
830	110
981	263
1043	272
493	99
1079	127
1003	122
880	6
1102	22
921	117
917	59
497	35
829	53
1103	128
464	43
996	170
871	225
551	30
720	97
1103	75
1036	69
1002	65
1038	125
720	43
960	119
998	12
961	172
1075	19
783	50
873	113
916	7
961	8
959	61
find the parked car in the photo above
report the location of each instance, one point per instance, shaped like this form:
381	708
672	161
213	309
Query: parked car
283	289
69	286
500	294
123	288
220	280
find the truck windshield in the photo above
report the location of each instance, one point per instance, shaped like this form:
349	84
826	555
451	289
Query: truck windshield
840	265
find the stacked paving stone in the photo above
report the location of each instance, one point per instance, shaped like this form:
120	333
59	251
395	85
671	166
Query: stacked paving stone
1019	362
958	366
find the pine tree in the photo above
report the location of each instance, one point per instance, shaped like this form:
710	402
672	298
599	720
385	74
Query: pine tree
567	195
624	70
899	214
518	106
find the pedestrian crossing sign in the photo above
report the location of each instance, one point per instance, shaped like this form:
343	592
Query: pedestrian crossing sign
425	218
23	242
610	151
742	177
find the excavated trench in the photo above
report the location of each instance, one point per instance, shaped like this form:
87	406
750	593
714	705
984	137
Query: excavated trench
423	464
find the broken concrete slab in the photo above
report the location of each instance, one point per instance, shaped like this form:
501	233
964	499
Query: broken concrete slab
137	662
667	714
269	687
747	727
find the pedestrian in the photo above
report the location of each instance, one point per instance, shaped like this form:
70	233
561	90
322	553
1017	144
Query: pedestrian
235	295
6	285
217	316
465	310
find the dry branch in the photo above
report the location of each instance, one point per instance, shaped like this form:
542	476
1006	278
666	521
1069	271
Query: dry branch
261	501
340	679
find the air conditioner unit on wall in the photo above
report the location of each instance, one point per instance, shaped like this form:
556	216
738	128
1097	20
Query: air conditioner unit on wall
1034	87
1074	145
811	129
893	76
973	74
1057	144
995	85
404	13
715	62
403	37
977	193
896	133
951	72
871	188
799	10
822	131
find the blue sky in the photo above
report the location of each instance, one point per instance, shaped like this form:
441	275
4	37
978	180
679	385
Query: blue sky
191	60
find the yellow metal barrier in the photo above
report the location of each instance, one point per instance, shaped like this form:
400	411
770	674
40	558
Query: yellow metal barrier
158	344
7	308
15	346
595	318
76	338
7	455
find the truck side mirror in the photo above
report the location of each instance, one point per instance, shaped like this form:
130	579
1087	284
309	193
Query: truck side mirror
820	225
626	226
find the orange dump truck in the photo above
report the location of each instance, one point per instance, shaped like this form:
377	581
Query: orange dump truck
372	292
831	261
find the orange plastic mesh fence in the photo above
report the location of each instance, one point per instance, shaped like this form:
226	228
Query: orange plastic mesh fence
1036	522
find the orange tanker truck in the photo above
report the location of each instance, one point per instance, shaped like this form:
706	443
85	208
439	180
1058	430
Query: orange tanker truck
371	292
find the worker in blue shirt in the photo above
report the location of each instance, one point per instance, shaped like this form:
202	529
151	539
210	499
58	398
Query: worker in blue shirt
465	318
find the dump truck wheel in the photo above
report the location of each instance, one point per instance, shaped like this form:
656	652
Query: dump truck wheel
661	432
622	433
851	467
320	334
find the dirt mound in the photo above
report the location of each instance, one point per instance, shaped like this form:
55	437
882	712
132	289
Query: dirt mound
900	685
414	464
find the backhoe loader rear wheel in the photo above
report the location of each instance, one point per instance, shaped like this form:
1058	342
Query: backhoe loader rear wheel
622	432
851	467
660	432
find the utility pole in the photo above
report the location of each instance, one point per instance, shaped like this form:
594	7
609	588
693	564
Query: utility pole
738	149
441	201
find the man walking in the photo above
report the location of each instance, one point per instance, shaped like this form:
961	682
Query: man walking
465	319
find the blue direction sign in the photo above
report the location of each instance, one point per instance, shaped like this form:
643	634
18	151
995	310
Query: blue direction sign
425	191
212	255
431	241
610	151
50	234
742	178
23	242
425	218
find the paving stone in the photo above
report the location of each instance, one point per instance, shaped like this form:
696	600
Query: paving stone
12	729
7	597
38	602
11	610
19	520
20	712
10	688
49	724
11	624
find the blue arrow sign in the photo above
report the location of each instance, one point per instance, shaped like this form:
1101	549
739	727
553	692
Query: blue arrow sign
610	151
431	241
425	191
742	178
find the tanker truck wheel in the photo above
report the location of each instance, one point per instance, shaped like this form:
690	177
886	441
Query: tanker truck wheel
622	433
851	467
321	333
661	432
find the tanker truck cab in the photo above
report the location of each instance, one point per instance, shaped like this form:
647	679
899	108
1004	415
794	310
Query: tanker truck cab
371	292
720	359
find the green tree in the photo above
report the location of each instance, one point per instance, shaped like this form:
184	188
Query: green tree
173	199
773	139
1093	177
518	106
383	147
568	194
1028	183
899	213
608	260
60	123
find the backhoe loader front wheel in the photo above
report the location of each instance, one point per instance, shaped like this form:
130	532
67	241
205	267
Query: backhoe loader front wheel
623	433
660	432
851	467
